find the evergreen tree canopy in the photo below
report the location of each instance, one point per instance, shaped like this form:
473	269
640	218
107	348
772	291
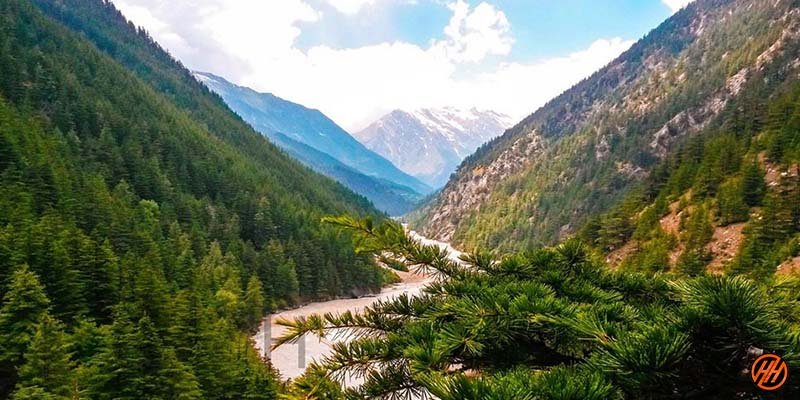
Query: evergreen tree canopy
551	323
48	367
24	304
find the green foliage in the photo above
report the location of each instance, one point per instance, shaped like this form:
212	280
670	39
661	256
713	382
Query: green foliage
773	229
48	367
551	323
651	256
753	185
253	303
696	228
314	384
693	262
158	224
732	202
24	304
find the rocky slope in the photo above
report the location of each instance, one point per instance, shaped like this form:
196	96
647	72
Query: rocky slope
584	150
442	139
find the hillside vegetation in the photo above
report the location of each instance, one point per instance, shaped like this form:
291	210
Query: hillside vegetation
712	68
144	228
727	201
553	323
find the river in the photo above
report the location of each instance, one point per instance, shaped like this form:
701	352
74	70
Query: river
292	359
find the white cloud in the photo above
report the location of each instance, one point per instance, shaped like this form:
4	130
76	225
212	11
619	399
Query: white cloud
472	34
222	35
519	89
676	5
252	42
350	6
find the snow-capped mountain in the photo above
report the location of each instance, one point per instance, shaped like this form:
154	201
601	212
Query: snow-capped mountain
430	143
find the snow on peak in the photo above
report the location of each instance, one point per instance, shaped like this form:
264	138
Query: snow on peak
454	123
446	134
203	77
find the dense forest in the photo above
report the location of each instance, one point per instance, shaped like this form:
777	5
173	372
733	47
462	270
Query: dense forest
553	324
144	228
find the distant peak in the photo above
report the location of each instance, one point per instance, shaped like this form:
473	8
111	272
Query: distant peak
204	77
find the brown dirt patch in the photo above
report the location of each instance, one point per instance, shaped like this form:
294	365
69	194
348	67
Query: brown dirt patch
774	172
616	257
790	267
724	245
671	223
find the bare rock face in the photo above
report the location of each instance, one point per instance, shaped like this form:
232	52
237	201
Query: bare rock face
470	189
577	153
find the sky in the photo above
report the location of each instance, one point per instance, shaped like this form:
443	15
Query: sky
356	60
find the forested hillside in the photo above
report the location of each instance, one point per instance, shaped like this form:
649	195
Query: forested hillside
710	67
726	201
144	228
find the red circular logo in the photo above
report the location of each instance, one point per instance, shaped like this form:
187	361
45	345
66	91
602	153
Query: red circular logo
769	372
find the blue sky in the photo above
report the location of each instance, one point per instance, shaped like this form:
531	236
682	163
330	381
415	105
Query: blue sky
541	28
358	59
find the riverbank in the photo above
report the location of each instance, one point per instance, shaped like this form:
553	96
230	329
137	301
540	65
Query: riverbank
291	359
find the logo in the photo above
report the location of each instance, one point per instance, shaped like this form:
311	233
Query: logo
769	372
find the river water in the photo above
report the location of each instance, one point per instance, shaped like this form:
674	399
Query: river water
292	359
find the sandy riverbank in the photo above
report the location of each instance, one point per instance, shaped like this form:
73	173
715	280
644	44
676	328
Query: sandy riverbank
288	358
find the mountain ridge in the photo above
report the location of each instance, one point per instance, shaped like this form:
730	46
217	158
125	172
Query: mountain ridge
598	138
271	114
387	196
444	137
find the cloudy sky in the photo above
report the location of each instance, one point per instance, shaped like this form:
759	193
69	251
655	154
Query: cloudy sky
358	59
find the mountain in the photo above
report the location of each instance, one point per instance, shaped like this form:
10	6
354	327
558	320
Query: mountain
388	197
447	136
145	228
391	189
714	68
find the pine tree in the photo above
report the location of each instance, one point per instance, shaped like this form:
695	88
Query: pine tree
616	228
121	362
253	305
753	183
731	205
24	304
101	292
286	283
47	362
177	380
697	228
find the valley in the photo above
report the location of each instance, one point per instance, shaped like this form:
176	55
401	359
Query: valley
170	233
286	358
316	141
